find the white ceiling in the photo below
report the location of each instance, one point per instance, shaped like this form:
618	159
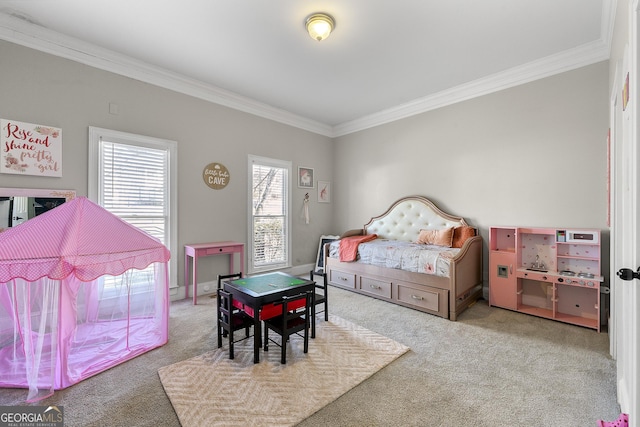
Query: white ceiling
385	60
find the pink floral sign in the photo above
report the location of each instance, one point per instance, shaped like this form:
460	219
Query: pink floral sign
29	149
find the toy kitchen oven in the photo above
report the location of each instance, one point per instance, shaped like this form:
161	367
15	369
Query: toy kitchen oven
575	260
556	275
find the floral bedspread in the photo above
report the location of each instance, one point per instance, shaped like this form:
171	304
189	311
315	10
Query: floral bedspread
406	256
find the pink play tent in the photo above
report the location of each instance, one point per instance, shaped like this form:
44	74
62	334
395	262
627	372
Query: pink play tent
80	291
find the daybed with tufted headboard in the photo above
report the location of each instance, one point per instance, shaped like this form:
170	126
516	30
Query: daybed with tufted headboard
413	255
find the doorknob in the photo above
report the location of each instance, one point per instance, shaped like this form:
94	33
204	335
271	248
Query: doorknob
628	274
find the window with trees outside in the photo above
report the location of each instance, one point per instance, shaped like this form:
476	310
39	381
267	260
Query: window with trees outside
269	216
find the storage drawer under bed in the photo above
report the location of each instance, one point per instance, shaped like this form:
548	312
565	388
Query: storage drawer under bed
379	288
342	279
432	299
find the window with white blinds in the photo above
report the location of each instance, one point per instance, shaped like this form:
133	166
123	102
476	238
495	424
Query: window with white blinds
134	186
133	177
269	216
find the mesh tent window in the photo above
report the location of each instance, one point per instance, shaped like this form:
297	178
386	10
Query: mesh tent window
58	326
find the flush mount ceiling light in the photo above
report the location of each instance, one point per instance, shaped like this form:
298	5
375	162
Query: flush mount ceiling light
319	26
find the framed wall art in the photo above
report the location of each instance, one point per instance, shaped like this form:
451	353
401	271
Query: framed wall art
305	177
30	149
324	192
625	93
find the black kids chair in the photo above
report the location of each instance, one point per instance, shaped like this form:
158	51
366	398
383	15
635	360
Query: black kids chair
321	297
290	322
231	319
221	278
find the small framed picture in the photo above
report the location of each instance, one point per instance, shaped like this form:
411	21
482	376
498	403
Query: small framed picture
324	192
324	239
305	177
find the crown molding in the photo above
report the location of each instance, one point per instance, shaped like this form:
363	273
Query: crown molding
21	32
39	38
581	56
608	21
565	61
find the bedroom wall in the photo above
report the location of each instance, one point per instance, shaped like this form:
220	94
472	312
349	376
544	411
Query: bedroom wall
44	89
532	155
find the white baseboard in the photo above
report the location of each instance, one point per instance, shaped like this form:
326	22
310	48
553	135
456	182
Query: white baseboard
204	288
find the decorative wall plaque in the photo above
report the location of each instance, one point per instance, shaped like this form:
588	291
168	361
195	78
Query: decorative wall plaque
216	176
30	149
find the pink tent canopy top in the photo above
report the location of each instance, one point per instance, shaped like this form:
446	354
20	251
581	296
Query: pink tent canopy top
78	237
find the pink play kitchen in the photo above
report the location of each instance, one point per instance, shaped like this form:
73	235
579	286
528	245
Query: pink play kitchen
547	272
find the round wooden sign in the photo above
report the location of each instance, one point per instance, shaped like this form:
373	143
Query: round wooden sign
216	176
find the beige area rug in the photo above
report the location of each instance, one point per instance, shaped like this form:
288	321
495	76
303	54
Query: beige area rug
211	390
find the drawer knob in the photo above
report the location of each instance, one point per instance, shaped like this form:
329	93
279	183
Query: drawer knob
417	297
375	287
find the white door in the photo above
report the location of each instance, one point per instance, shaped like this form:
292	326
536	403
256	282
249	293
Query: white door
20	210
625	231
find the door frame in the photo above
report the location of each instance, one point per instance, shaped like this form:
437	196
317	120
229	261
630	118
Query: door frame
625	224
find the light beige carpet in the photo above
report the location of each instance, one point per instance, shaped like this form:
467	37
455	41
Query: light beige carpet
211	390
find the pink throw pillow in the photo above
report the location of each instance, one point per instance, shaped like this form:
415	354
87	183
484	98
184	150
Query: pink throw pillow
442	237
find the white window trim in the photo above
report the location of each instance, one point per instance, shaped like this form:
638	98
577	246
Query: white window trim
95	136
250	244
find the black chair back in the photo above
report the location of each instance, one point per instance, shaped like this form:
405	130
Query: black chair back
230	320
290	322
223	277
321	297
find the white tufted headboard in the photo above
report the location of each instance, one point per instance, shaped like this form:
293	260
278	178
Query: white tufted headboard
406	217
